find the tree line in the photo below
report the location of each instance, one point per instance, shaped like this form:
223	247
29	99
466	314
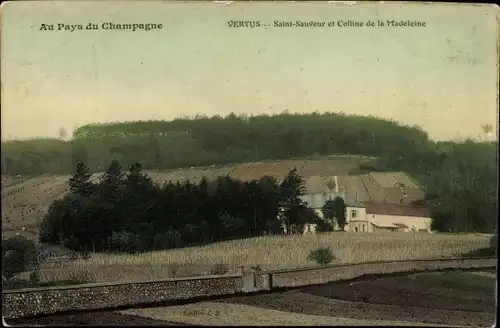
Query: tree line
128	212
211	140
460	180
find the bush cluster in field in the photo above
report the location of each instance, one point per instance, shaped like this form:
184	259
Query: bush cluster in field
19	255
322	256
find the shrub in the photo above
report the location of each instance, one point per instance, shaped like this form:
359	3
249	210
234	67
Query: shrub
167	240
73	256
323	225
86	255
79	277
18	255
321	256
34	278
173	269
15	283
125	241
219	269
75	278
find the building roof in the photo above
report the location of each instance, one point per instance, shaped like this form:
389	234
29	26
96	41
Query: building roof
378	187
318	200
319	184
400	225
393	179
354	189
384	225
397	209
388	187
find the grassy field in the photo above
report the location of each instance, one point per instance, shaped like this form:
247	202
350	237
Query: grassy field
25	201
270	252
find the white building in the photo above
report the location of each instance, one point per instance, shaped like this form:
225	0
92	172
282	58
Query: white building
373	217
319	191
375	201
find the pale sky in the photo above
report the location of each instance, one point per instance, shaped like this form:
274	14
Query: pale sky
442	77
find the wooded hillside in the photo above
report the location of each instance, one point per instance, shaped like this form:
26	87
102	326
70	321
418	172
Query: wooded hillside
216	140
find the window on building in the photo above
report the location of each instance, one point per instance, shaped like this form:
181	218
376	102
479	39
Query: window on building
355	229
354	213
363	228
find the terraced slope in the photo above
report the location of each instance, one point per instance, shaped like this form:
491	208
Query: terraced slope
390	187
25	203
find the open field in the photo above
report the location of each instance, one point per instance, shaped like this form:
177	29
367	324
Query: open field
270	252
25	204
407	300
25	201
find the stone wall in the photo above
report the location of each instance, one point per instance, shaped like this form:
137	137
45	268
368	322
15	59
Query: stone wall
320	275
48	300
38	301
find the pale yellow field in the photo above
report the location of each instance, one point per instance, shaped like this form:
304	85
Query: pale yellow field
270	252
220	314
25	204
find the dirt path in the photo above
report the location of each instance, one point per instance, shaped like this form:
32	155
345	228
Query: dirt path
298	302
224	314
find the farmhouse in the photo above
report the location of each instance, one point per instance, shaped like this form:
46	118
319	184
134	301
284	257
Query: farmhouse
373	217
378	201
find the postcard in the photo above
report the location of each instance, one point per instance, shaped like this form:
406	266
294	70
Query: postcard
162	153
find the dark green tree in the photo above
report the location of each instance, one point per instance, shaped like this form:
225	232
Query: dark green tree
269	205
292	209
112	194
329	212
79	183
51	228
112	179
338	209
